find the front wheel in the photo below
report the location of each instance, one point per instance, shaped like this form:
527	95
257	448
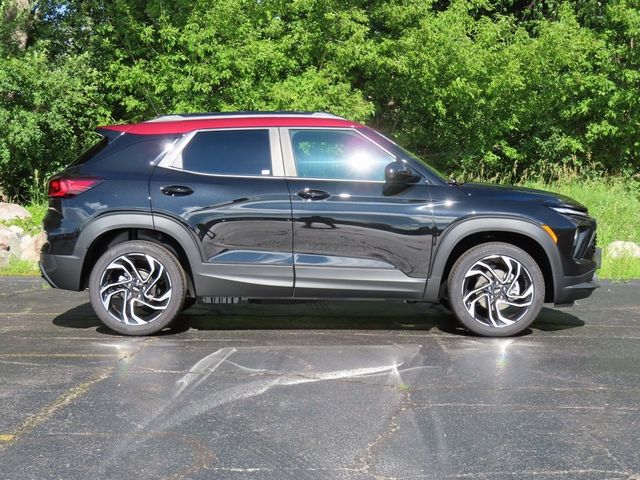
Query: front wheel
137	288
496	289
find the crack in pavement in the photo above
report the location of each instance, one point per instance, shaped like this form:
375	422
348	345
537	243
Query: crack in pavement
391	427
65	399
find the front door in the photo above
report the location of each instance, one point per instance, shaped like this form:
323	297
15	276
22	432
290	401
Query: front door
353	234
227	187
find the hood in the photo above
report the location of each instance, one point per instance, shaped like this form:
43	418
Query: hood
520	194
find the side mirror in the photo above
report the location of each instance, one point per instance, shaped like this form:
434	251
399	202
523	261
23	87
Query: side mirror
399	172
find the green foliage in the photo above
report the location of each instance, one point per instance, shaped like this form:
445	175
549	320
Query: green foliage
236	55
19	267
47	110
614	202
509	90
32	225
502	89
493	96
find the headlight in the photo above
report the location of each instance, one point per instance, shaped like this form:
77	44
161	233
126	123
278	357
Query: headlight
574	212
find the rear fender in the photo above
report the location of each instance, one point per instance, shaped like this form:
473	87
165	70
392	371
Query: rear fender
133	220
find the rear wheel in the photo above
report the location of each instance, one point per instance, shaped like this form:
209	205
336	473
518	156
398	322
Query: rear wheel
496	289
137	288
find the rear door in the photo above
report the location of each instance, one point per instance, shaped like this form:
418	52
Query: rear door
227	188
354	234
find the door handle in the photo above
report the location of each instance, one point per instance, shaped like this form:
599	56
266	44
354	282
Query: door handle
176	190
310	194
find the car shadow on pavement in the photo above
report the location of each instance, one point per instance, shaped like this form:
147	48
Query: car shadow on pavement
552	319
83	317
373	315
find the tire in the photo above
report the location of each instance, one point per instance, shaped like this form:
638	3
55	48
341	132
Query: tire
499	275
143	276
189	302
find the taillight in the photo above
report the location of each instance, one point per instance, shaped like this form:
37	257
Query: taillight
69	187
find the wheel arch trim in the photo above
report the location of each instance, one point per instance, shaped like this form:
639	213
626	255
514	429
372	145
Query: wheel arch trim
454	234
138	220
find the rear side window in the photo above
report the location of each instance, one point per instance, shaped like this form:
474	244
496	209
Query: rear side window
228	152
91	152
131	152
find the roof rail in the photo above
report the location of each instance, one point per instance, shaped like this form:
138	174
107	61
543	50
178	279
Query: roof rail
244	114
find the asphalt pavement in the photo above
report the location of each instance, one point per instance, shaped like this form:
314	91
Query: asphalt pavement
336	390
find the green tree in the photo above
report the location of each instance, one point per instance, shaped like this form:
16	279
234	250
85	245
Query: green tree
492	96
490	88
47	114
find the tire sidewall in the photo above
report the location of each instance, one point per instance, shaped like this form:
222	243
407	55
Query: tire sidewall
173	269
462	266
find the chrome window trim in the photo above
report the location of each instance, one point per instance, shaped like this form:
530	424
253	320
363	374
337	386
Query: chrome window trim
170	158
173	159
158	159
339	180
290	169
222	175
289	159
277	162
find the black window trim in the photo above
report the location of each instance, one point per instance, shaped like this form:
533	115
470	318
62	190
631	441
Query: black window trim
173	159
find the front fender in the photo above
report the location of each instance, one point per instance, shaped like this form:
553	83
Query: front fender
457	232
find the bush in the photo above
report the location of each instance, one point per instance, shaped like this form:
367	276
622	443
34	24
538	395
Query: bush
494	96
483	88
47	114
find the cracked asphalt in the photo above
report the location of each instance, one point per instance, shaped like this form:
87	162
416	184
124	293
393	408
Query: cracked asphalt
352	390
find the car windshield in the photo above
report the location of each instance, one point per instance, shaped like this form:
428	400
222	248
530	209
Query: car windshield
401	152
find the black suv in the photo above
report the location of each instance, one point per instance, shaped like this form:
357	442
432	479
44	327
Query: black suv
301	206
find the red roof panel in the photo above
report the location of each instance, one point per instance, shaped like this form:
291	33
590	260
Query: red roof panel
185	126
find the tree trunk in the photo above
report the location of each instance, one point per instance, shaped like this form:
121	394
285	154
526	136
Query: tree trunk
17	12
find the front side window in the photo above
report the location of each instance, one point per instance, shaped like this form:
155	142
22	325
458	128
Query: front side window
228	152
337	154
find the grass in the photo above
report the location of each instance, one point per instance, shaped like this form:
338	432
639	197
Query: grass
613	201
18	267
32	225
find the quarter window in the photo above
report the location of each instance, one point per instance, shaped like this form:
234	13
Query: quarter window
337	154
228	152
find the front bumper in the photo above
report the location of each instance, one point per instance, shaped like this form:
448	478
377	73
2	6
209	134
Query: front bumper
569	289
61	271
